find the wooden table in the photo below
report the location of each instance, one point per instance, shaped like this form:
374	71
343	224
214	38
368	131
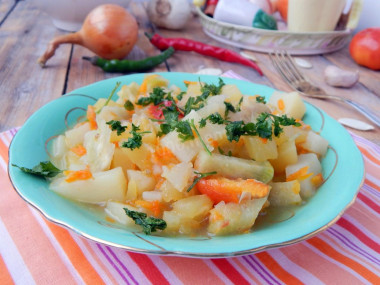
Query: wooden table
25	86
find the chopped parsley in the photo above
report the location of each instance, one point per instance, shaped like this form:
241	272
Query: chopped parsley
199	177
156	97
199	136
44	169
136	140
260	99
116	126
180	95
128	105
231	108
149	224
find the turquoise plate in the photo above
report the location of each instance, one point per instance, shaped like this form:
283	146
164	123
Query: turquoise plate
343	160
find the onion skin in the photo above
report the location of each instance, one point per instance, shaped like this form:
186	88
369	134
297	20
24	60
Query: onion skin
109	31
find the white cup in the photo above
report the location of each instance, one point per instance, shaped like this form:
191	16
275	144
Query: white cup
314	15
238	12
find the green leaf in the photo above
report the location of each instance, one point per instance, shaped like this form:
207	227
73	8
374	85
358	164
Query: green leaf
110	96
116	126
184	130
156	97
261	99
235	130
128	105
136	140
149	224
44	169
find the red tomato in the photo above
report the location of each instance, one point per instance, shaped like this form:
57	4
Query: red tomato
365	48
229	190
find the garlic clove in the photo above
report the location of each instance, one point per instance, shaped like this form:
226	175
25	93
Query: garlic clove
210	71
337	77
303	63
355	124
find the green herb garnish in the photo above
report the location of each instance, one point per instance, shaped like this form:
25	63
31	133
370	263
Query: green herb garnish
110	97
149	224
156	97
199	177
128	105
261	99
44	169
136	140
116	126
199	136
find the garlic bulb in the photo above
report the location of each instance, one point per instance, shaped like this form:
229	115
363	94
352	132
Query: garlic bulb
334	76
170	14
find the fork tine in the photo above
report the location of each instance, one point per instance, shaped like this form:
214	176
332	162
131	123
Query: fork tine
287	64
278	66
293	66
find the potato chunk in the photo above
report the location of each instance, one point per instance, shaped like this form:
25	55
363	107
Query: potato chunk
104	186
234	218
285	193
234	167
290	104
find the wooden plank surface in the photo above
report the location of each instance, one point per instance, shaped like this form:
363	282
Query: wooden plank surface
25	86
26	32
6	7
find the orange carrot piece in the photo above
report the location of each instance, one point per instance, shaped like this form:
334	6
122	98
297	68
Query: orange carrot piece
300	174
317	180
91	117
164	156
281	104
264	140
187	82
153	206
79	150
213	142
229	190
74	175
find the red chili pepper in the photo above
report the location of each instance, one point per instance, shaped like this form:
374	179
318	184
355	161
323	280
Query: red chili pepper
201	48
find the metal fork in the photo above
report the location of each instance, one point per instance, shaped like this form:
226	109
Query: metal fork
286	66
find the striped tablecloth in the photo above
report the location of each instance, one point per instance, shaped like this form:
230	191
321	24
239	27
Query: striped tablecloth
36	251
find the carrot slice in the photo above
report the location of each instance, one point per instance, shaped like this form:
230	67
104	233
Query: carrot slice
281	104
91	117
300	174
74	175
230	190
153	206
317	180
79	150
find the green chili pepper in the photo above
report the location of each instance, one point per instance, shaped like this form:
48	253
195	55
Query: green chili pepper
115	65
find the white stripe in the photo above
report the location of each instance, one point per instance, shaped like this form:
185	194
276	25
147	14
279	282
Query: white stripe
343	249
344	267
356	242
372	211
90	258
131	266
217	272
293	268
373	179
357	224
13	259
107	264
5	140
165	270
241	271
66	261
3	165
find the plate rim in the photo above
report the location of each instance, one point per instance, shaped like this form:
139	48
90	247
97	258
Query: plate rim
180	252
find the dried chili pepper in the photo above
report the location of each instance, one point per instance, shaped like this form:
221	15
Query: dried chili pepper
115	65
201	48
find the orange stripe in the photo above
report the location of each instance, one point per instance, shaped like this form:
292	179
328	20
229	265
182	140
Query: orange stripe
369	155
99	261
245	269
331	252
75	254
5	276
3	151
317	265
373	185
29	239
364	218
276	269
191	270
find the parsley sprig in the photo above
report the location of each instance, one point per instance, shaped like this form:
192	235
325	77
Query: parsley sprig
156	97
110	96
200	175
116	126
260	99
149	224
136	140
231	108
266	126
